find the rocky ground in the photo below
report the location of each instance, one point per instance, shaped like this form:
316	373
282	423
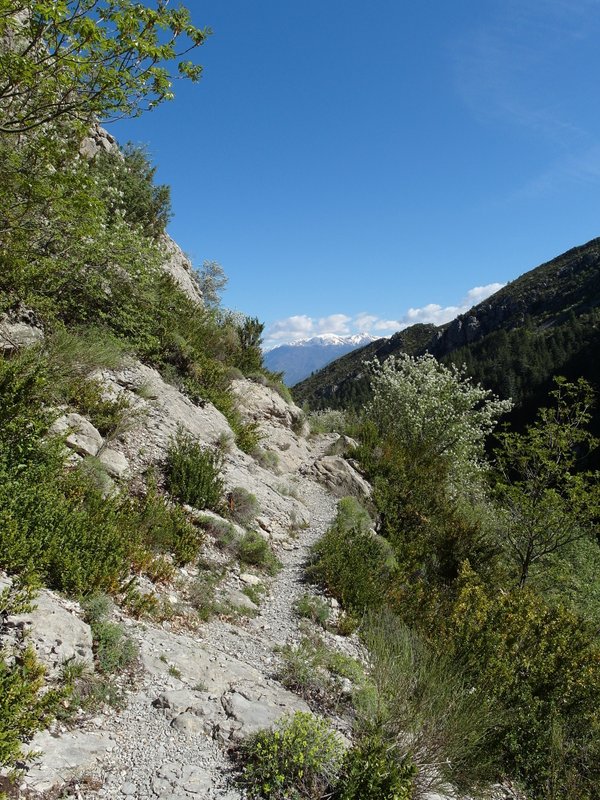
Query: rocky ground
200	688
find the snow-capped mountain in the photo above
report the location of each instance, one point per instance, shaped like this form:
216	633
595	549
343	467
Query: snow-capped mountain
298	359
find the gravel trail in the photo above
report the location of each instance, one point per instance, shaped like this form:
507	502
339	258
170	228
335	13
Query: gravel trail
146	757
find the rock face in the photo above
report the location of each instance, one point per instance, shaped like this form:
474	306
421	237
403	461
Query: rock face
281	424
179	267
99	140
19	329
55	630
81	435
340	477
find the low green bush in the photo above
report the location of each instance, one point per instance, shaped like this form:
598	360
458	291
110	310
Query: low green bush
26	706
351	561
254	550
299	759
426	710
314	608
201	593
114	651
166	528
242	505
371	771
314	671
194	473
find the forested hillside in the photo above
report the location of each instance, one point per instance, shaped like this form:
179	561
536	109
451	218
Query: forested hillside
542	324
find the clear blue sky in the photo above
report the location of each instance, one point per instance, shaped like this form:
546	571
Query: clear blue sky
343	158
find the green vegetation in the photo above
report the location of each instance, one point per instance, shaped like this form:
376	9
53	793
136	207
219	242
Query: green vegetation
242	505
370	771
478	615
314	671
114	651
351	561
313	608
300	758
194	473
254	550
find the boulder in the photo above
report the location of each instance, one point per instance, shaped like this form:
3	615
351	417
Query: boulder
67	756
14	335
340	477
82	436
57	633
114	462
341	446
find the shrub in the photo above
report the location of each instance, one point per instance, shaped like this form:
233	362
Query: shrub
351	561
313	671
300	758
113	649
541	664
165	527
314	608
194	473
254	550
201	594
371	771
267	459
328	421
243	506
425	709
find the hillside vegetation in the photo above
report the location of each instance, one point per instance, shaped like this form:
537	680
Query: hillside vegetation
542	324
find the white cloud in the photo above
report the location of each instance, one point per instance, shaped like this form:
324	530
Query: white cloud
301	326
334	323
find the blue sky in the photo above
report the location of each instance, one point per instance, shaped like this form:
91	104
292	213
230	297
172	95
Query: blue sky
365	165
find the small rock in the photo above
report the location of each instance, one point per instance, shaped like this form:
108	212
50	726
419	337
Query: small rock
251	580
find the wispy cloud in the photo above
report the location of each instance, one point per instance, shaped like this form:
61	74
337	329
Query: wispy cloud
302	326
503	72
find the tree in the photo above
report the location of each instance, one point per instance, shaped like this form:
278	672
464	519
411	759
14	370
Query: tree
434	413
82	59
212	281
545	502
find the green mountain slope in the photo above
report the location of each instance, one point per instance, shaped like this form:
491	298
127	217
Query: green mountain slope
544	323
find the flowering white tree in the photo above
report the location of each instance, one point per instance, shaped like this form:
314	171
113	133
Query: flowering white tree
434	412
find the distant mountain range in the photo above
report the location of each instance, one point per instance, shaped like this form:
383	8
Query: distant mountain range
299	359
544	323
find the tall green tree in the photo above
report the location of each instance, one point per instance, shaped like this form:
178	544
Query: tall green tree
546	501
90	58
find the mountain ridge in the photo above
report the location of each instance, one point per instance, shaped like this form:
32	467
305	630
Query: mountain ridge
531	320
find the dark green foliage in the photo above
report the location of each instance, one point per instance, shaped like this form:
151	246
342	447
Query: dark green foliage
114	651
194	473
548	503
253	549
24	708
351	561
314	608
313	671
165	527
370	771
297	760
250	334
425	708
540	664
